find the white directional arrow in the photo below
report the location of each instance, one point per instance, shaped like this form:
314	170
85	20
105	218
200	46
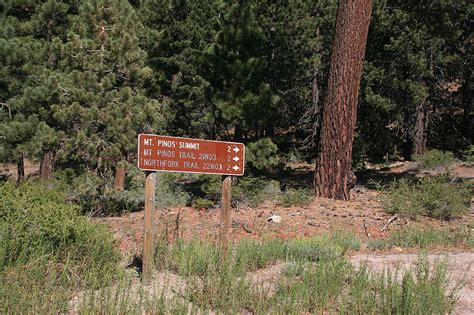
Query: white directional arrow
235	168
235	158
236	149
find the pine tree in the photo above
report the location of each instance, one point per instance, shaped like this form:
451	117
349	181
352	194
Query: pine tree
176	33
104	106
32	36
239	95
413	86
333	176
297	39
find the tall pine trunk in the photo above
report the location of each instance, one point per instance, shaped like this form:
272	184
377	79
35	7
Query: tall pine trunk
420	136
47	166
334	177
20	169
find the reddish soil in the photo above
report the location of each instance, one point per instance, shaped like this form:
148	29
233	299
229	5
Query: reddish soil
363	214
320	216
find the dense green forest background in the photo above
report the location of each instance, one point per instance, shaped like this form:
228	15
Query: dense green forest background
79	80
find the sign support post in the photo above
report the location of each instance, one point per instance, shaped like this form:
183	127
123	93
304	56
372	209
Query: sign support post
148	240
186	155
225	216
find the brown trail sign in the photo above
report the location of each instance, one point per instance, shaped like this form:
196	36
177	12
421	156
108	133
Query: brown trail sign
186	155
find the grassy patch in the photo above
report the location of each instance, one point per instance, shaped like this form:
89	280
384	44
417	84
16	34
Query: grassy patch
326	286
434	159
198	257
315	278
296	197
425	238
330	285
435	197
422	290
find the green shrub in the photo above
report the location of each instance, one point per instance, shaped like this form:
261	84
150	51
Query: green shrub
84	190
296	197
36	221
435	197
262	154
170	191
200	203
246	190
254	190
433	159
95	195
211	186
250	255
295	155
314	249
123	200
48	250
346	240
468	154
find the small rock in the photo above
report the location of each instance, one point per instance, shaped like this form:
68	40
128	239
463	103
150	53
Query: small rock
274	218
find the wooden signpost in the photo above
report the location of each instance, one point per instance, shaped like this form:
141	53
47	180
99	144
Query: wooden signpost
186	155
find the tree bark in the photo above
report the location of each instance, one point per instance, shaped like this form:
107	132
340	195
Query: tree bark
119	181
420	136
20	169
333	176
47	166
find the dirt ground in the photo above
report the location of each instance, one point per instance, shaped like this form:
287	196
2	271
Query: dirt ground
318	217
363	215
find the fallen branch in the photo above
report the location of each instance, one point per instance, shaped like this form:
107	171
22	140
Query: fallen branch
176	228
366	229
245	228
394	218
